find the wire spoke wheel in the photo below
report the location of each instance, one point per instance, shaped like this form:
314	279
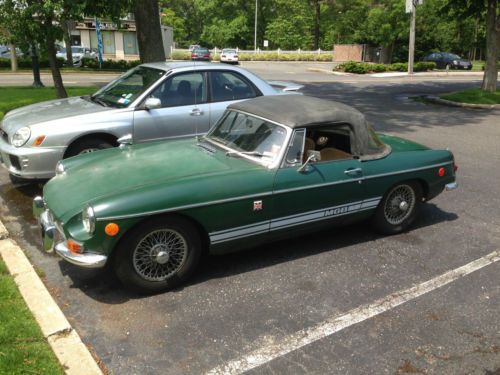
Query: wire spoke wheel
399	204
160	254
88	151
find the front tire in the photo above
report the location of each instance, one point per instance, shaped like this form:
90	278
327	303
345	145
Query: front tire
87	145
399	207
158	254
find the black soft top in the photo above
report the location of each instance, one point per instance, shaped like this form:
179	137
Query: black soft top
298	111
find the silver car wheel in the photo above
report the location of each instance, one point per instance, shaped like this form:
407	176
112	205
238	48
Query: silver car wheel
399	204
88	151
160	255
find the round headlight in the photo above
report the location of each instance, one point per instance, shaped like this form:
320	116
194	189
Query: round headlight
455	62
21	136
88	220
59	168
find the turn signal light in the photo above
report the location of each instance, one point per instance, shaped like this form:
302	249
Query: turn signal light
441	172
39	140
111	229
74	247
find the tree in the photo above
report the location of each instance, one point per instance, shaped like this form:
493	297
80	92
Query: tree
491	10
149	38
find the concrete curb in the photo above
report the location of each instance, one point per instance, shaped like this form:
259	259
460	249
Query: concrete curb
438	100
326	71
71	352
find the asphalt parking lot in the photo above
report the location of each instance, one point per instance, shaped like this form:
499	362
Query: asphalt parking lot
273	310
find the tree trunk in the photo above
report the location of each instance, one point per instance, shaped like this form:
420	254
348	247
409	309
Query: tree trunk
13	58
490	72
317	18
51	52
149	38
37	82
67	41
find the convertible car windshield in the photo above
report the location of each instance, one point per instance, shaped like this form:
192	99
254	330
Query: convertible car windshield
126	88
243	134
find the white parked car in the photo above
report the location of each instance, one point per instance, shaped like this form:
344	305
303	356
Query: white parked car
229	55
78	54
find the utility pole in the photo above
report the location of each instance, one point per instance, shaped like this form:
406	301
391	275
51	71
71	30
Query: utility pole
411	48
255	29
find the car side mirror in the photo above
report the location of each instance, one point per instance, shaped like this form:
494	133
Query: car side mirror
152	103
312	158
127	139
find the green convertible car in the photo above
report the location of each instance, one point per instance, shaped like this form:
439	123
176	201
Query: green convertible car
271	167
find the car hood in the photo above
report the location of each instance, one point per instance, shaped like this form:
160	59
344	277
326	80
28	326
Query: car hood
110	173
48	111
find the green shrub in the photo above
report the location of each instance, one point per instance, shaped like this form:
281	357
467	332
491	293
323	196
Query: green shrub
484	66
398	67
121	65
354	67
423	66
25	62
181	55
378	68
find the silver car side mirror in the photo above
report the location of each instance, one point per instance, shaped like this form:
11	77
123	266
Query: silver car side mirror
311	158
152	103
127	139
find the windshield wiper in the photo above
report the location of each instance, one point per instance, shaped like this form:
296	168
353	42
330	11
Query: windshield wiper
99	101
250	153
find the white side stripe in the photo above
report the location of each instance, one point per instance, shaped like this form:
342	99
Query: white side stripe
335	324
292	220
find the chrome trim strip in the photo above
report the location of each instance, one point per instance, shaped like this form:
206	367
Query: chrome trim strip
265	194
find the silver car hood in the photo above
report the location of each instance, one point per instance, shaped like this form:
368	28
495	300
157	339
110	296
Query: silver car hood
47	111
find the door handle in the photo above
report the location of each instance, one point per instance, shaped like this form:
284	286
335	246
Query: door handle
353	171
196	112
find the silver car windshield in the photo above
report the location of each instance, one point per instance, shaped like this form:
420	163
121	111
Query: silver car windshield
125	89
251	137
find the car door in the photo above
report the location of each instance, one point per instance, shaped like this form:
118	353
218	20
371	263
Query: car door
320	193
228	87
184	109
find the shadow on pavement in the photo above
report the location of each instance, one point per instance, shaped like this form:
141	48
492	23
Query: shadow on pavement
104	287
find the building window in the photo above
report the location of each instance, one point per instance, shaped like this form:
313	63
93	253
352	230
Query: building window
130	43
108	42
93	40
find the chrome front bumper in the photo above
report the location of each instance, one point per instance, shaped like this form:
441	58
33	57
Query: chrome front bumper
53	239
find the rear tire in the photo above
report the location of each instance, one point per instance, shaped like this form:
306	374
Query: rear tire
399	208
158	254
87	145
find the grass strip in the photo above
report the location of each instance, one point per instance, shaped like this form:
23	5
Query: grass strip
473	96
15	97
23	349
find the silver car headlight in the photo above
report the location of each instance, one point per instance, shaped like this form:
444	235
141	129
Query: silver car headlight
59	168
88	219
21	136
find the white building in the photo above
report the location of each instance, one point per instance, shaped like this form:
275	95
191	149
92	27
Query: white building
119	43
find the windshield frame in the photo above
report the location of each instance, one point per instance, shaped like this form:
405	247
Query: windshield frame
273	164
139	99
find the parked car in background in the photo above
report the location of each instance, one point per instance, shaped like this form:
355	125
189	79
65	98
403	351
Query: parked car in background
229	55
271	168
5	52
200	54
151	102
193	46
78	54
446	60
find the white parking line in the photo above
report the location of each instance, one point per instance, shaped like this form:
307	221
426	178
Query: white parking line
335	324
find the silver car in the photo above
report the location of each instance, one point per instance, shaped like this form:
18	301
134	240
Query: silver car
150	102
